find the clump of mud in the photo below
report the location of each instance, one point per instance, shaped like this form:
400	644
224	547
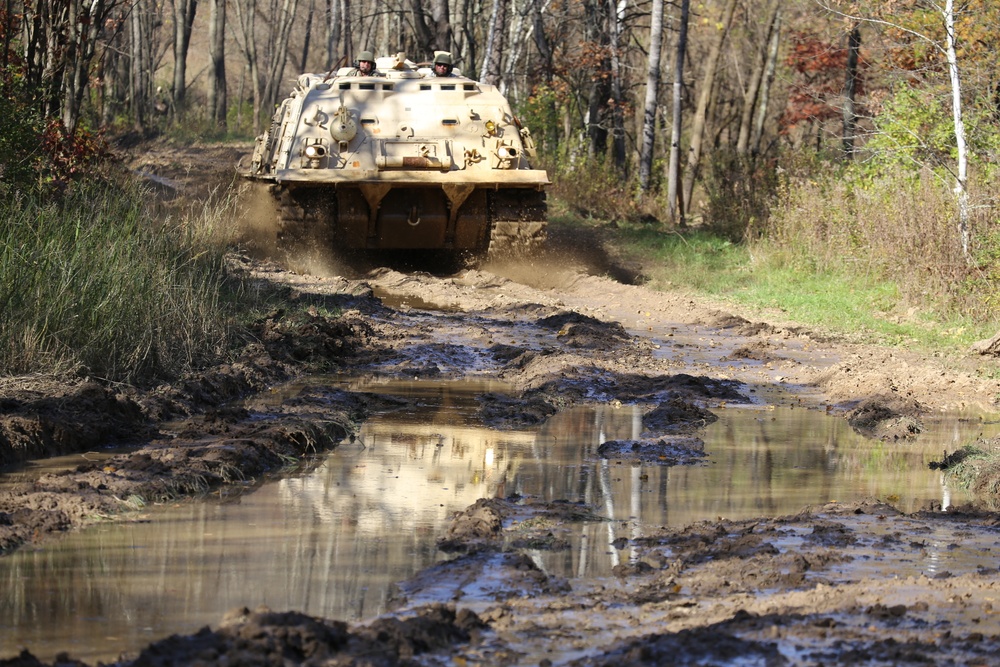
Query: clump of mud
265	637
975	467
740	325
887	417
582	331
672	451
43	418
988	347
491	537
678	416
754	351
701	646
497	524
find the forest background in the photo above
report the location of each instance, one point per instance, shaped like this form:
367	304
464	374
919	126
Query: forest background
789	152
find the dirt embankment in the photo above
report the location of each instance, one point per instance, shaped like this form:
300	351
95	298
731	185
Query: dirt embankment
770	591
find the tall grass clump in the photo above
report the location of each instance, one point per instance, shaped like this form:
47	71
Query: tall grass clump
975	467
91	285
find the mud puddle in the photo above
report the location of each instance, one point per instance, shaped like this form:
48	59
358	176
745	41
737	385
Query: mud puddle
333	542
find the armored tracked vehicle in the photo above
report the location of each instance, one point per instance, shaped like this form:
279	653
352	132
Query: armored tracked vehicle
401	161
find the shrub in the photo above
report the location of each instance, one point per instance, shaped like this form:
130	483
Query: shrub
740	194
37	154
592	188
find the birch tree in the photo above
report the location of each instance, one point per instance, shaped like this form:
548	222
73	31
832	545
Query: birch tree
616	12
962	175
493	58
652	90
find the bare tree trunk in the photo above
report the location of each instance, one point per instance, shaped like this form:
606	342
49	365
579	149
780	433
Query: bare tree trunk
676	207
518	37
615	12
184	12
278	48
303	64
60	40
246	12
546	62
850	90
139	81
541	40
217	102
493	58
424	33
49	64
85	23
333	33
442	25
652	89
704	98
595	31
346	34
466	48
765	93
754	84
8	10
961	178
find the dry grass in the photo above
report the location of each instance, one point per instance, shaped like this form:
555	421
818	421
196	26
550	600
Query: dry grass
902	228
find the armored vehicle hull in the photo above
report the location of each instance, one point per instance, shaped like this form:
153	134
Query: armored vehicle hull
401	161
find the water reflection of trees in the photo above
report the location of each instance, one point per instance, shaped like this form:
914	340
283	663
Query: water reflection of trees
332	543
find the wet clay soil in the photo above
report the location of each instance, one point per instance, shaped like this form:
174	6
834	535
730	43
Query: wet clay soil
810	589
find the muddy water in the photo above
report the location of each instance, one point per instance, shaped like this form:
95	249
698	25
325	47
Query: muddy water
333	541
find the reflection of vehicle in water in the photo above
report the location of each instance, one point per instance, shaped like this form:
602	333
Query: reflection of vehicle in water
405	161
390	494
414	469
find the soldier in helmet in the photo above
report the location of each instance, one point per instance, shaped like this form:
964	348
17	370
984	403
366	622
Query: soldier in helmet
443	64
366	65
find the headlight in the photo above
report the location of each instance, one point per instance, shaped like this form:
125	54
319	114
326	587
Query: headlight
315	151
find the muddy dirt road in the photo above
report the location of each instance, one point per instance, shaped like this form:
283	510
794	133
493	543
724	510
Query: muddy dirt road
833	584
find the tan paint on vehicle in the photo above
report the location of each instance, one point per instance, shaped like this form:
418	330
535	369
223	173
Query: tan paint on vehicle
405	160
